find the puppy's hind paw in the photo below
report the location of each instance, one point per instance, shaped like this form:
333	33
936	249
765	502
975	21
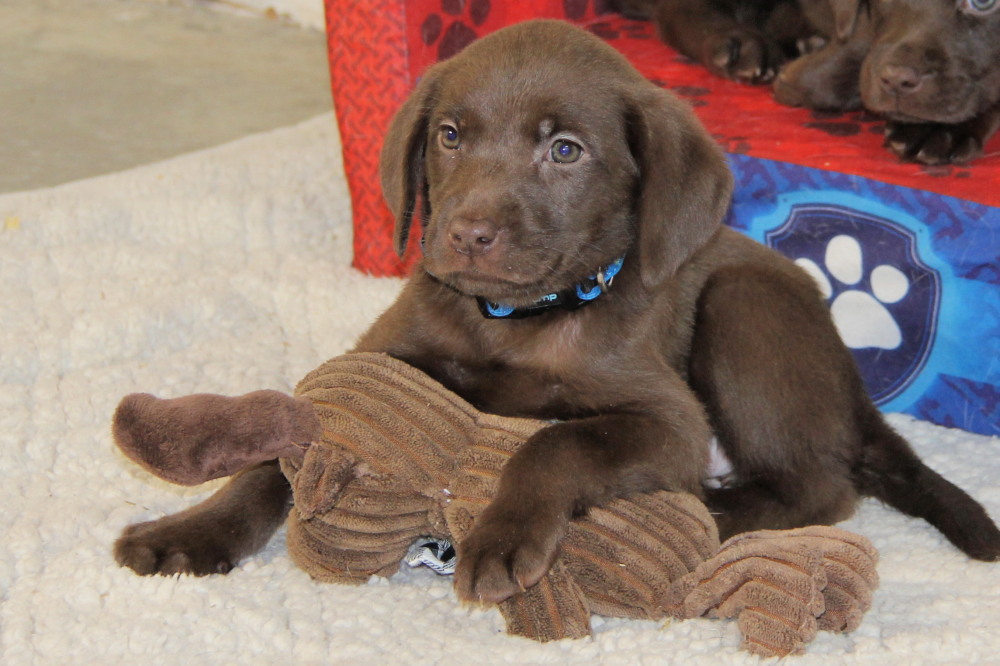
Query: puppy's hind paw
159	547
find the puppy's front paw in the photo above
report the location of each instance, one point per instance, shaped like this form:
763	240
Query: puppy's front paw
169	546
933	143
502	556
743	55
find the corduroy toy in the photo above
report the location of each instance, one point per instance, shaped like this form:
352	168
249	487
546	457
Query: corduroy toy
380	455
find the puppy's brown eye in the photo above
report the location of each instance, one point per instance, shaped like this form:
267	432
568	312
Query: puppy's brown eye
565	152
450	138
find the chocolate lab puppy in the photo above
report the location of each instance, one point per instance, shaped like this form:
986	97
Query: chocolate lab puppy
744	40
934	72
575	268
932	67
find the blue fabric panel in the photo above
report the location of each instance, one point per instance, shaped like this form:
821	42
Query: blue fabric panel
912	278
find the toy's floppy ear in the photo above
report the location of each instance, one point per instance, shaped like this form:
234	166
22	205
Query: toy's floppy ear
684	182
402	158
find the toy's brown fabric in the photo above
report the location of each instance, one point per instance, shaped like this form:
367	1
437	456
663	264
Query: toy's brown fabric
439	459
196	438
391	456
783	586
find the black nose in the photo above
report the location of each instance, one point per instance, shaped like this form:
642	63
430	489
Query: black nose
472	237
900	79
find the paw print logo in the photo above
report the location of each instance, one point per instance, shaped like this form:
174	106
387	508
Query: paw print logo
883	298
463	18
862	318
458	23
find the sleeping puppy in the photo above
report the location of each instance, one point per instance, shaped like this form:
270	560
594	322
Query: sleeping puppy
576	269
931	67
743	40
934	72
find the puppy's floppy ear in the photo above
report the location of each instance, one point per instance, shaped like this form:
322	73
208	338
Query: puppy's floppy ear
845	16
684	182
401	162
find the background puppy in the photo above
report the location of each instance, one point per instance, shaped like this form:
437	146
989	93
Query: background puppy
934	71
932	67
576	269
744	40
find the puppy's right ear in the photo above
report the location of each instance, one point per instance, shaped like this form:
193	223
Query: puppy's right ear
845	17
401	162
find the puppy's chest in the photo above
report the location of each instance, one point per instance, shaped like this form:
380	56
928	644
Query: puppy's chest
554	350
543	374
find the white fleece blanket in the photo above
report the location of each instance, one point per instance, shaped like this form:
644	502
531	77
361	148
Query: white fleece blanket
227	271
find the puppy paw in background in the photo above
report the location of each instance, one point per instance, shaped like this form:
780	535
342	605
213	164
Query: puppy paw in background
743	40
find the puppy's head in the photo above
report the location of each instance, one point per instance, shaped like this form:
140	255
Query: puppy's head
538	155
933	60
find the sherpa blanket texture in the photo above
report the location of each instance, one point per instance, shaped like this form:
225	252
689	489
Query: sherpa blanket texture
226	271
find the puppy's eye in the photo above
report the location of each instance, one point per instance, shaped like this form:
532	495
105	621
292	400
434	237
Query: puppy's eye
565	152
449	137
978	7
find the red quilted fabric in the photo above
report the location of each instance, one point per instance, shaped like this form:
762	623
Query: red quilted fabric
379	47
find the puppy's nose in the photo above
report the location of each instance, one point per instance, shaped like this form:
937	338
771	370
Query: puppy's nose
900	79
472	237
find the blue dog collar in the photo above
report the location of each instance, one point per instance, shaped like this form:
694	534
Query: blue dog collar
579	295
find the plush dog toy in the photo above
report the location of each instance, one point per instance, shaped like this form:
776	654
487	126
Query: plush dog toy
380	455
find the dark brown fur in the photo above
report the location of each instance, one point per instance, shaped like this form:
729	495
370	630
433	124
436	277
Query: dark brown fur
934	71
827	78
931	67
703	331
744	40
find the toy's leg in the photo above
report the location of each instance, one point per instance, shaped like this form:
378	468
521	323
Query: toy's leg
196	438
214	535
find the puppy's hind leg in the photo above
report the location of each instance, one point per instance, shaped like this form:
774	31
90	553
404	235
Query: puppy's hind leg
791	412
213	536
779	388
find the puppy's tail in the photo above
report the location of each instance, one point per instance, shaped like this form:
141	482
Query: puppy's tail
891	472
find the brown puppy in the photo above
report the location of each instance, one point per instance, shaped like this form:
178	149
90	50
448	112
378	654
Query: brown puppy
536	160
932	67
934	71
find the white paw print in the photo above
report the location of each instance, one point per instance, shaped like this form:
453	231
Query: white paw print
861	317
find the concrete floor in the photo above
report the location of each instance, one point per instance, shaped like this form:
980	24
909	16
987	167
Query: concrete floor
93	86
